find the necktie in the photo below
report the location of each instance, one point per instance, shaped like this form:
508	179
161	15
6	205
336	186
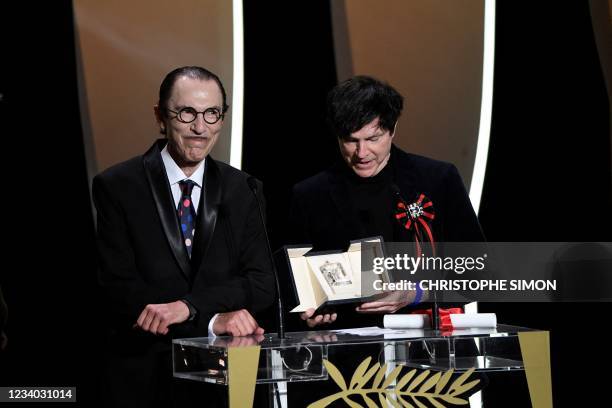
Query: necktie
187	214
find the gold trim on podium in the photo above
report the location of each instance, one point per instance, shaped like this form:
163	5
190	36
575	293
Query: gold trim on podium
535	349
242	375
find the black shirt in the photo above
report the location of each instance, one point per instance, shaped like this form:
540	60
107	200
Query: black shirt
372	199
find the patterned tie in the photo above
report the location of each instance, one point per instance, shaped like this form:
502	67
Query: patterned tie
187	214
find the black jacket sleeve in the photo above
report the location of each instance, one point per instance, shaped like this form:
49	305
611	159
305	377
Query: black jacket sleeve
127	293
460	221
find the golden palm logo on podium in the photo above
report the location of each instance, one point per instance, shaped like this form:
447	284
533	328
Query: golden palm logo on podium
408	391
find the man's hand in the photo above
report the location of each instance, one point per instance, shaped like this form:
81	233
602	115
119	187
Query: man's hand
389	302
156	318
318	319
239	323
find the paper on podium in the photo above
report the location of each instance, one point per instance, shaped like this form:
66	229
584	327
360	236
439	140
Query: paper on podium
406	321
458	321
366	331
473	320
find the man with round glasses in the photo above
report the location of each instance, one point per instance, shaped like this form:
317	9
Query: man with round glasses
189	114
181	247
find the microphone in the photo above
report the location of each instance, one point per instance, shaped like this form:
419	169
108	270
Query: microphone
435	312
281	321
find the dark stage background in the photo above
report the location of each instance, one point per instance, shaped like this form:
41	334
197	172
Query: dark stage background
548	174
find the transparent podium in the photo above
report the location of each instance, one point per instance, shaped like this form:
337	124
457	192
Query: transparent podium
367	361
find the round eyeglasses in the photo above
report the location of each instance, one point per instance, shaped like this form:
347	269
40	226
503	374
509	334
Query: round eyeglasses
189	114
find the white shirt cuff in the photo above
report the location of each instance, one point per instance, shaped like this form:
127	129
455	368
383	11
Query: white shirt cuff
210	326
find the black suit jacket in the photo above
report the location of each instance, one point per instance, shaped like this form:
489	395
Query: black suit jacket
143	259
323	215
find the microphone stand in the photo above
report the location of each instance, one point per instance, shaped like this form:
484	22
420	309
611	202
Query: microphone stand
435	313
281	321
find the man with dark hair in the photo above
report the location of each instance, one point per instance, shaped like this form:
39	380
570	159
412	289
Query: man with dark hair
358	196
181	247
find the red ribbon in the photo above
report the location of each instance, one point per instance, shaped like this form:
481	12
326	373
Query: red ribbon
445	320
417	216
